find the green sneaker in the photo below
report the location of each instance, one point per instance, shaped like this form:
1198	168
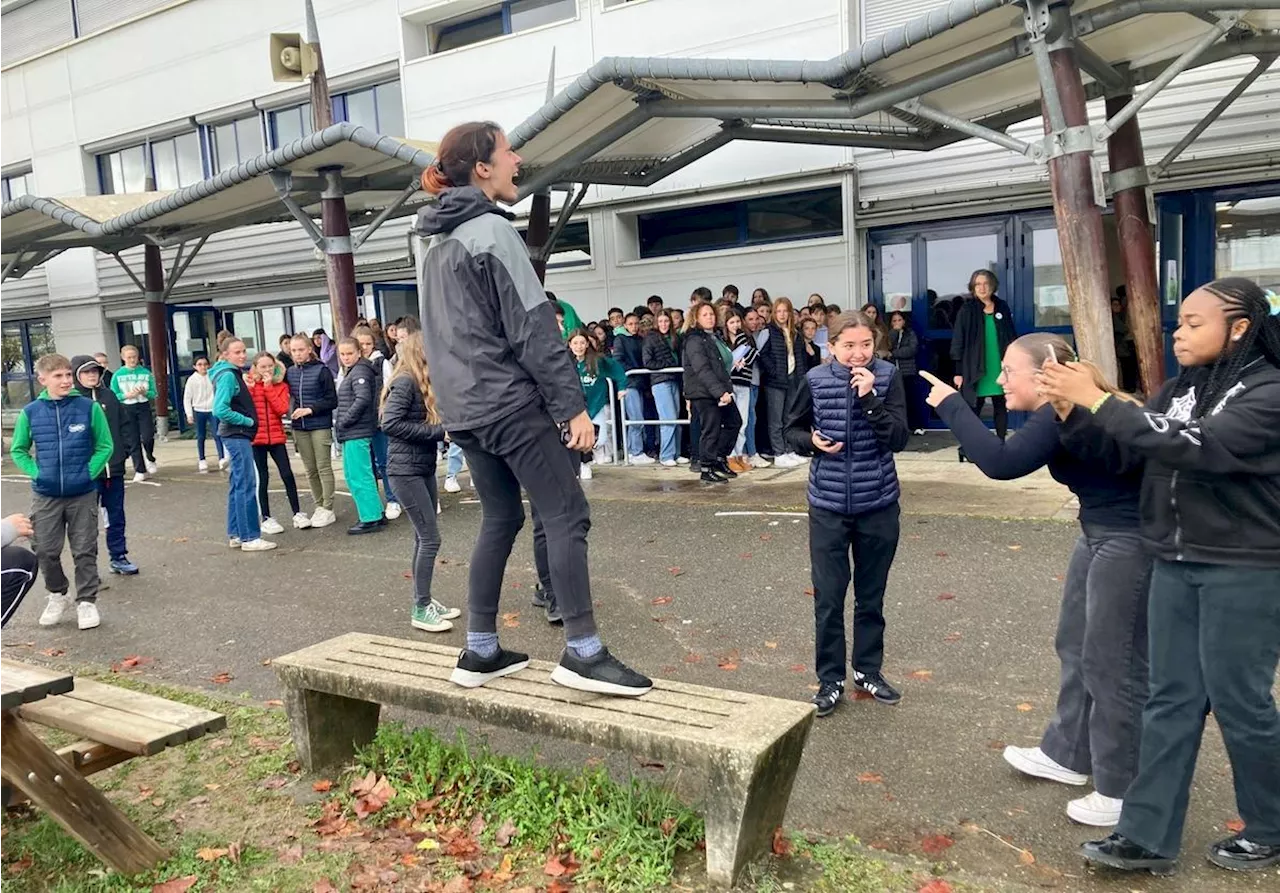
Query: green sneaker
445	612
425	617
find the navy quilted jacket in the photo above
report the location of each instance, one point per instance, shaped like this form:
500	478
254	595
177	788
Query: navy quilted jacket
861	477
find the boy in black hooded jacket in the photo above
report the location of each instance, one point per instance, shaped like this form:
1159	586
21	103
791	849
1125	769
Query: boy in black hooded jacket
89	374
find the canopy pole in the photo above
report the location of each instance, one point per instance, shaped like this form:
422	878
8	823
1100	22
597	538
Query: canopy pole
1077	190
539	229
157	332
1137	245
339	264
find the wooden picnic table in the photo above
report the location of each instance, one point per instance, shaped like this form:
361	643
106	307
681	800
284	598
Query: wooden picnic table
51	783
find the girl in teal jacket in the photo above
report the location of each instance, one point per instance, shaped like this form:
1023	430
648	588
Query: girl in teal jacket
595	372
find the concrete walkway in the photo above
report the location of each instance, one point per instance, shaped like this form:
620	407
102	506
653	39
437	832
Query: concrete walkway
699	584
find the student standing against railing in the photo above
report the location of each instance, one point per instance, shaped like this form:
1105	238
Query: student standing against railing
661	349
628	351
595	371
744	350
709	389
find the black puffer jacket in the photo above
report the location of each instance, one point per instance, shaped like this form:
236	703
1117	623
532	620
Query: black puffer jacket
411	439
773	360
357	414
120	423
705	375
904	345
661	353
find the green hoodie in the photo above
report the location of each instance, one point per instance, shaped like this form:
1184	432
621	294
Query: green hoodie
124	380
103	445
571	319
226	384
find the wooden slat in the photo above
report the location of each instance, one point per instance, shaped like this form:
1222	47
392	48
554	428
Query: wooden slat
23	683
196	720
126	731
89	757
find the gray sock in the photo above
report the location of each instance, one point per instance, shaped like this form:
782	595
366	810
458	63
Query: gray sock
483	644
585	647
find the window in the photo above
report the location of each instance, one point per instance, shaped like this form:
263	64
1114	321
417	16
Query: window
573	248
235	142
309	317
175	162
290	124
812	214
510	17
18	184
134	331
23	343
1248	240
379	108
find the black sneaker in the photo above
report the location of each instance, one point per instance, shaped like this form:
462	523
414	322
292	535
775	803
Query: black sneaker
722	468
695	466
875	685
474	671
553	611
713	477
1239	854
364	527
1118	851
539	596
602	674
828	697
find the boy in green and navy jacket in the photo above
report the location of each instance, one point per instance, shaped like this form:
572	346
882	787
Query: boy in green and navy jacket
63	442
134	384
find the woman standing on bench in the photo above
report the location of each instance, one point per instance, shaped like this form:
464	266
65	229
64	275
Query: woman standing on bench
510	398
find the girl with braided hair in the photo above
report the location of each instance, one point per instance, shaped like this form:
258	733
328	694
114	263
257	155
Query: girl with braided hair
1210	510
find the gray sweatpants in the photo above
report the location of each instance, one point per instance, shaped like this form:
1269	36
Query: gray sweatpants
73	519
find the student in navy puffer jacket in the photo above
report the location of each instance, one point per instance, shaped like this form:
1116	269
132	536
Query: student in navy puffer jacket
851	414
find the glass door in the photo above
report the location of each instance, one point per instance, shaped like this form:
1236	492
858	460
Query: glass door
193	333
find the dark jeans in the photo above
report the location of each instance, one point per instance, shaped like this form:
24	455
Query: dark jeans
999	412
873	539
774	408
111	499
1102	647
717	430
74	520
206	424
524	449
279	454
378	445
418	498
1215	644
18	569
143	443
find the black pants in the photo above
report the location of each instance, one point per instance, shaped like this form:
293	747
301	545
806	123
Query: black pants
1215	644
279	454
418	497
142	445
873	539
524	449
999	413
775	409
717	430
18	569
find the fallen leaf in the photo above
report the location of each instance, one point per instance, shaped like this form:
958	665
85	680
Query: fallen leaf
408	575
158	801
1059	577
995	744
176	885
459	884
18	867
951	637
662	600
263	745
808	590
322	785
505	833
668	826
477	826
870	777
557	887
294	766
1014	547
797	668
324	885
462	847
428	843
212	786
946	596
765	537
937	885
222	678
274	702
652	764
504	872
940	554
781	845
1025	708
423	808
554	867
290	855
726	664
53	652
936	844
675	571
693	658
1026	857
921	674
131	663
511	620
1235	826
266	661
745	555
275	783
771	644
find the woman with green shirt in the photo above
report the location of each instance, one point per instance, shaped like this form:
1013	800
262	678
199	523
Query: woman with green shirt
595	371
983	331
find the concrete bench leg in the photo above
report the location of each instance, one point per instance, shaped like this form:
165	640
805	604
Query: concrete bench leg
747	798
327	728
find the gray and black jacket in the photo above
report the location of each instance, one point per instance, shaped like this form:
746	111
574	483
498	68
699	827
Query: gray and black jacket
490	334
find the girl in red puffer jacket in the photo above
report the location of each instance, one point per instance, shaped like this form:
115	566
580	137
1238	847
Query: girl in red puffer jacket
271	400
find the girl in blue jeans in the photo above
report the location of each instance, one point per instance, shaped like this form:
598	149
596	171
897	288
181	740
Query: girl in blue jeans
237	422
197	403
1102	626
1210	498
660	349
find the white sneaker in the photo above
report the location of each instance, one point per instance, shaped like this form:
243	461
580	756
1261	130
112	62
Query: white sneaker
87	615
323	517
393	511
641	459
54	610
584	473
139	477
787	460
271	526
473	483
446	612
602	457
756	461
258	545
1034	761
223	463
203	466
234	542
451	484
682	460
152	467
918	431
439	507
669	463
301	521
1096	810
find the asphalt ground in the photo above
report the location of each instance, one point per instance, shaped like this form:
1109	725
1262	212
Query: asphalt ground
971	607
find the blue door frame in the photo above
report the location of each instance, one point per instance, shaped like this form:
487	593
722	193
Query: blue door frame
177	373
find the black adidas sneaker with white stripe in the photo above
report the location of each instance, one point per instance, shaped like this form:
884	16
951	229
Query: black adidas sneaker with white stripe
875	685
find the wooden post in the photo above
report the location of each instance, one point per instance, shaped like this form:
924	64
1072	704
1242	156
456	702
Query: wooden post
157	332
1137	246
1079	215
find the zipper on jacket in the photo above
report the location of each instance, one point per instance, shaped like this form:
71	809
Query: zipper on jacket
57	417
848	445
1177	517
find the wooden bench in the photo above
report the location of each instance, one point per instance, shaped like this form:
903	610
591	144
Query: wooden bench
115	724
749	744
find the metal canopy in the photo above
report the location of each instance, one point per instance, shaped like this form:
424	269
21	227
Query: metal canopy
971	68
379	175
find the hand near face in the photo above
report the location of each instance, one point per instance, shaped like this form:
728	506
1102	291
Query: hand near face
1068	383
939	390
862	380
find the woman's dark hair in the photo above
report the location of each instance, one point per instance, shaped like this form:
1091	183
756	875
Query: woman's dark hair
462	148
1241	299
592	356
702	293
906	321
995	280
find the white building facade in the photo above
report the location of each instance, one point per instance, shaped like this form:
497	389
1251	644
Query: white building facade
86	83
